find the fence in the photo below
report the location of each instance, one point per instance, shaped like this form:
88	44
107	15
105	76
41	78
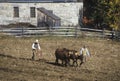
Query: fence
60	31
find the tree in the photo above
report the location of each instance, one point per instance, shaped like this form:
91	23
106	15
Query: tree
103	12
113	15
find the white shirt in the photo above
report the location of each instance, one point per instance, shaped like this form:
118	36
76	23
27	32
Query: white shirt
84	50
36	46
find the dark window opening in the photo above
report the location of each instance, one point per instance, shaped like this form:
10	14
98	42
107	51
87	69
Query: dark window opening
16	11
32	12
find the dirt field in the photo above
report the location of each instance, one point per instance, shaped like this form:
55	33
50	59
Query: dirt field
15	63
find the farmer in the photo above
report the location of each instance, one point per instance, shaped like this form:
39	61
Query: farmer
84	52
36	50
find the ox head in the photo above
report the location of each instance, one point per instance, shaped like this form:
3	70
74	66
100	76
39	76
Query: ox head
73	52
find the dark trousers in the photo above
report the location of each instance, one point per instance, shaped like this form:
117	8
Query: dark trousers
36	53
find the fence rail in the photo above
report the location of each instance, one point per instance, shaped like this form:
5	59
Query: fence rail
60	31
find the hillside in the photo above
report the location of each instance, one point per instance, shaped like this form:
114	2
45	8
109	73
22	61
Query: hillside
16	63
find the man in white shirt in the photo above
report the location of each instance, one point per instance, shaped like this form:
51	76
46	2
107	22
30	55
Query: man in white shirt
84	51
36	50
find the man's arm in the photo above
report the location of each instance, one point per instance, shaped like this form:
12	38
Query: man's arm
81	51
39	46
88	53
33	46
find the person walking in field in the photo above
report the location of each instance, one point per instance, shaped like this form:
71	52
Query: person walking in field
36	50
84	52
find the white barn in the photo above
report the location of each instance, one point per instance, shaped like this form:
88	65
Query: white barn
55	12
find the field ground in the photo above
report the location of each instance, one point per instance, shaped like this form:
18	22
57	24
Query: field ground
15	63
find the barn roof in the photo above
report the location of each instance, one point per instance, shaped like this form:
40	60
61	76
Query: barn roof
42	1
46	12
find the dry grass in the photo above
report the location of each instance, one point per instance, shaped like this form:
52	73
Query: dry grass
15	63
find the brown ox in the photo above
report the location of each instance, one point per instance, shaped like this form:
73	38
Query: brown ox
80	57
75	56
63	55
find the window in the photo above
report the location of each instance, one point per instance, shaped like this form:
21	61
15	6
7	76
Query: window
16	11
32	12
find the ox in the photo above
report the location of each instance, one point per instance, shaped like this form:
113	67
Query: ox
75	56
63	55
80	57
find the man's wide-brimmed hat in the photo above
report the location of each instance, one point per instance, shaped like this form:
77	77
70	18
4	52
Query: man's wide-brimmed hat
36	40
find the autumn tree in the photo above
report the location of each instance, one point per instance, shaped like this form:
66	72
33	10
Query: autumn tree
103	12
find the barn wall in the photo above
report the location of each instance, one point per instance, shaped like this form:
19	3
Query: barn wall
68	12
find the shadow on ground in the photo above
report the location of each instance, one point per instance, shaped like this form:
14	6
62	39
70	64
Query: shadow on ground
53	63
29	59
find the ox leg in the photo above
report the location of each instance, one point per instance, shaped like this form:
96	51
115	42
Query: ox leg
56	61
62	62
73	62
81	61
76	63
66	62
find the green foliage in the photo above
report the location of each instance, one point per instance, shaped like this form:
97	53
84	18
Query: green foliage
104	11
114	13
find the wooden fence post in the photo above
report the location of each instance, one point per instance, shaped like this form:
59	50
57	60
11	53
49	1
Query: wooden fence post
75	31
22	31
103	32
49	30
